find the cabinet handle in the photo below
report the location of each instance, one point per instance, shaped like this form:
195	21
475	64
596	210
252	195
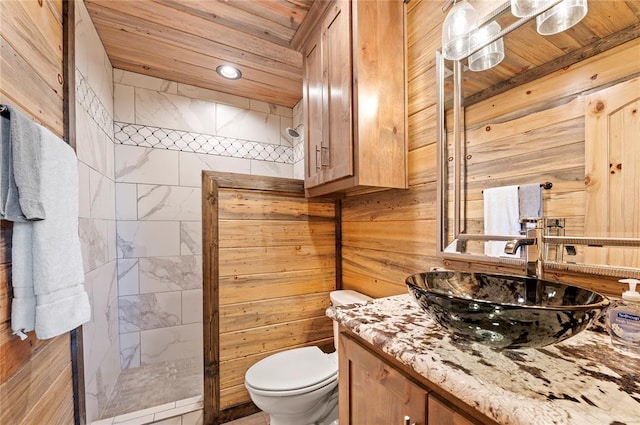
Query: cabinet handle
318	160
407	421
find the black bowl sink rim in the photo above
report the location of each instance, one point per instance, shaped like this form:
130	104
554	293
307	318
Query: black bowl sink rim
603	303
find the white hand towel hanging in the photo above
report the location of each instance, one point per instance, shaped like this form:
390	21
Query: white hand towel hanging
501	217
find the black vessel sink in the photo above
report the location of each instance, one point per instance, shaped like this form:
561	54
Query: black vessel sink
505	311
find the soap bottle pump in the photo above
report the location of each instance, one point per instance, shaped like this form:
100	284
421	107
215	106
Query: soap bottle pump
624	319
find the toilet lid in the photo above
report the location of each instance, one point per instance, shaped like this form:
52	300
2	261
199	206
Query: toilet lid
292	369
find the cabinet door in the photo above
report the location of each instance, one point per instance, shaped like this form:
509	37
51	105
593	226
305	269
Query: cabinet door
337	143
372	392
441	413
313	89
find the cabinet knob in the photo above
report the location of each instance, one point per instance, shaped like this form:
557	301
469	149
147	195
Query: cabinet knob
407	421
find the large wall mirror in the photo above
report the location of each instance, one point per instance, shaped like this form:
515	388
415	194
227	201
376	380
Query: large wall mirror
560	112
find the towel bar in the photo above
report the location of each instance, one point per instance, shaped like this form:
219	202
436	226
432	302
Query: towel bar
3	110
545	186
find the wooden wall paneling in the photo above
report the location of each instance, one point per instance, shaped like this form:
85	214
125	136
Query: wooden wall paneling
275	265
377	273
246	288
273	337
612	172
422	165
22	391
35	376
604	69
236	317
43	47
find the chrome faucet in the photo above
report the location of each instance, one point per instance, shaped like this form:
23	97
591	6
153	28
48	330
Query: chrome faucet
534	243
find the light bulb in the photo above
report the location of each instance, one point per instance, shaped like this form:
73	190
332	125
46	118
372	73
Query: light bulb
561	17
460	21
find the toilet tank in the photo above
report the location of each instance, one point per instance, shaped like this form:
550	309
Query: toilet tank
344	297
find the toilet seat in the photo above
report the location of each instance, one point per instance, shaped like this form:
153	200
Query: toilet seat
292	372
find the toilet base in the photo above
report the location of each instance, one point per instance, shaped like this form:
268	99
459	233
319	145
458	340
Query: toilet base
320	411
329	419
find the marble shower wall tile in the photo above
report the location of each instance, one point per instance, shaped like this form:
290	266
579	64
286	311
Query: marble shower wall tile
130	350
93	147
175	112
168	203
93	61
213	96
159	345
101	332
298	113
298	170
94	240
144	81
148	238
135	164
84	193
192	164
83	26
191	238
112	240
247	125
126	201
124	103
102	192
150	311
160	274
192	306
271	169
270	108
100	339
128	276
97	228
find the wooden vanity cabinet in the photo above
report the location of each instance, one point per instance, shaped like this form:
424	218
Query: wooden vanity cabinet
355	98
372	391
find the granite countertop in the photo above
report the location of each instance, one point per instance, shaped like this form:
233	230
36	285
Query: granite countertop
581	381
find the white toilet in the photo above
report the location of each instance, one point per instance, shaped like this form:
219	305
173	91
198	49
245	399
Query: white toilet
300	386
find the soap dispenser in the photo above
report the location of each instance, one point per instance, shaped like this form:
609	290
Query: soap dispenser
624	319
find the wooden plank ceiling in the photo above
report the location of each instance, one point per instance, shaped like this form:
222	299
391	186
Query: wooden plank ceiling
185	40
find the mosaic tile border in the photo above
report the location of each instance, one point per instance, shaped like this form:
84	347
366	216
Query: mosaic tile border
186	141
90	102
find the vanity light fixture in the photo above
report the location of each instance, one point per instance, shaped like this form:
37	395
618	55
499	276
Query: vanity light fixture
464	35
456	29
488	56
229	72
522	8
561	17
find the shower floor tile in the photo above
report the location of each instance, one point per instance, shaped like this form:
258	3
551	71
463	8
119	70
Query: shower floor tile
154	385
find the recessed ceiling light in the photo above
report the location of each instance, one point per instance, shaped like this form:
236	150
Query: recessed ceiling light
229	72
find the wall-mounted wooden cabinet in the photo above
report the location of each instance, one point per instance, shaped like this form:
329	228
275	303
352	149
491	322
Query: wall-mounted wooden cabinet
355	98
372	391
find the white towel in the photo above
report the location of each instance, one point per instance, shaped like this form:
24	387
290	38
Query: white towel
57	275
501	217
